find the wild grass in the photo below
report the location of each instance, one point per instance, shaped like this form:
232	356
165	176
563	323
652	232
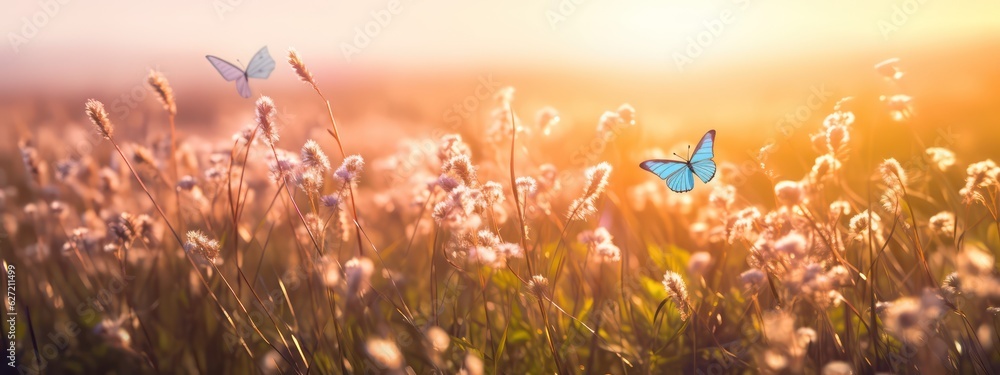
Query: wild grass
491	255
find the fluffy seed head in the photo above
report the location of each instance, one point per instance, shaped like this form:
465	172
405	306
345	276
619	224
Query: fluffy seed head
99	116
943	224
350	169
163	91
462	167
313	156
677	291
893	174
359	273
889	69
198	242
538	284
597	179
299	67
941	157
698	263
265	116
525	187
789	193
385	353
492	193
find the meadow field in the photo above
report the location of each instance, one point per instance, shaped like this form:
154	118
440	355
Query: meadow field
494	219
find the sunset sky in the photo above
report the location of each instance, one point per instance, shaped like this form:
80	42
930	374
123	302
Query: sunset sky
112	43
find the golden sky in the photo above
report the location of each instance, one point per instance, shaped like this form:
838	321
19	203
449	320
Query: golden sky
76	44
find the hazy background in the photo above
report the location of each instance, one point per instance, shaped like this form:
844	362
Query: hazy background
433	54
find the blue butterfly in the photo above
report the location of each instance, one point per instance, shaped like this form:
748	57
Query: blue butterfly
680	174
260	66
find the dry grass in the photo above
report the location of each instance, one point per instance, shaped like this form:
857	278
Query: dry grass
497	254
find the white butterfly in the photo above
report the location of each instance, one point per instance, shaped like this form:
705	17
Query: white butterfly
261	66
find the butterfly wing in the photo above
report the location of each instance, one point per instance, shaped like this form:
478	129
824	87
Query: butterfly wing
704	169
677	174
704	149
243	86
261	65
228	71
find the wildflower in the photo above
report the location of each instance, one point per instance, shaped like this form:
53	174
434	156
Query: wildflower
538	284
840	208
595	237
358	273
753	278
699	263
607	253
299	67
973	261
99	116
310	181
609	122
451	145
447	183
789	193
163	91
627	114
492	193
745	225
836	138
438	338
187	183
899	106
329	272
198	242
350	169
793	245
280	167
108	180
722	196
457	208
861	226
509	250
980	175
891	202
142	155
941	157
123	229
893	174
546	119
943	224
313	157
597	180
265	117
548	178
677	291
462	167
699	233
889	69
952	284
473	365
113	332
525	187
385	353
910	319
32	163
824	167
837	368
839	118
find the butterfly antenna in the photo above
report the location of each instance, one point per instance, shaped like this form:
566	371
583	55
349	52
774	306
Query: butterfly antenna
678	156
689	152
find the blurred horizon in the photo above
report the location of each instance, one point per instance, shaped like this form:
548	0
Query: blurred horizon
81	46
